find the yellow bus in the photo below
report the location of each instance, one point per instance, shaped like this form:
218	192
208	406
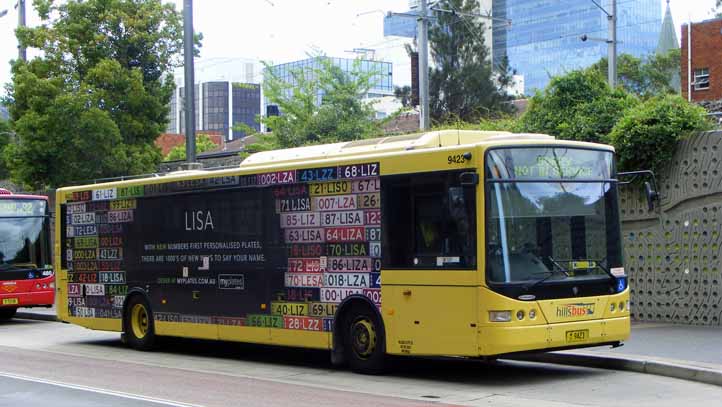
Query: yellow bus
454	243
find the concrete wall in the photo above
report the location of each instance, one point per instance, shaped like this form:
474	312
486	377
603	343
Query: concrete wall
673	254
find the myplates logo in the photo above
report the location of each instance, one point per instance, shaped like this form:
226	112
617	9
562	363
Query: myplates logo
575	310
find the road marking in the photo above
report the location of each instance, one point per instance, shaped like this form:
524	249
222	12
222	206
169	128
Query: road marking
99	391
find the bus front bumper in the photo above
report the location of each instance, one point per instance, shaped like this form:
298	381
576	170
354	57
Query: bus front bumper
510	339
28	299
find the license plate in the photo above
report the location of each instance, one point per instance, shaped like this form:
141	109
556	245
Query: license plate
578	336
10	301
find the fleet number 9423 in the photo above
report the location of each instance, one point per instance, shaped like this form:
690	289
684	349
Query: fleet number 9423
456	159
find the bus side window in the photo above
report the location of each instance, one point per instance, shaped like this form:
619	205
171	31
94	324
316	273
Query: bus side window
428	222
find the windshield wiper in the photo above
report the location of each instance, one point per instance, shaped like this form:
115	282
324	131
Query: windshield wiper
604	269
551	273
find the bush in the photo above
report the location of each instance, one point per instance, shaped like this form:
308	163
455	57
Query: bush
647	135
577	106
203	144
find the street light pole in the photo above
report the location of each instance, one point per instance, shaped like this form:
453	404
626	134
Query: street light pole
22	55
612	45
423	32
189	102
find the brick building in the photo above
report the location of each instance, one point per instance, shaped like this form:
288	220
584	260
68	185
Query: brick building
167	141
706	72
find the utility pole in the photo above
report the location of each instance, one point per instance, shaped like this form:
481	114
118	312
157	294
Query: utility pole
22	55
189	99
612	45
422	34
611	41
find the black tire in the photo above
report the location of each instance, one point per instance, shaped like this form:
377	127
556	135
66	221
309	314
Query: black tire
7	313
363	338
138	325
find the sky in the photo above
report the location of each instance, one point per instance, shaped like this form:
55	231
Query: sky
241	31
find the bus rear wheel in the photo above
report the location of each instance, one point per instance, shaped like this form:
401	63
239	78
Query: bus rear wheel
7	313
364	341
138	324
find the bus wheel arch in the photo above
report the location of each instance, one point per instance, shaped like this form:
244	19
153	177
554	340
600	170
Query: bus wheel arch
358	316
138	321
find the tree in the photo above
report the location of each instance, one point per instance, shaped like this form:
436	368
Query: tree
203	144
323	105
403	94
719	8
577	106
646	137
463	84
95	101
654	76
5	136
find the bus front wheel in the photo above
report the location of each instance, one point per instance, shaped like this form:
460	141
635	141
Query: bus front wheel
364	341
7	313
138	324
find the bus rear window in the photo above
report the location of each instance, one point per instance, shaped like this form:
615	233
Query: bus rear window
428	222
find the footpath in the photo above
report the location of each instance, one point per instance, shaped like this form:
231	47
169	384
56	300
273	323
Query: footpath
680	351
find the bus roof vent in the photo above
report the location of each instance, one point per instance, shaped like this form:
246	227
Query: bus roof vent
4	191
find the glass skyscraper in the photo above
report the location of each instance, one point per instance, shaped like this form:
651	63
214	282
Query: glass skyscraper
543	38
381	81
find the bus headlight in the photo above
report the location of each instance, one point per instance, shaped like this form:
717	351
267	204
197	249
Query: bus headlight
532	314
520	315
499	316
611	307
627	305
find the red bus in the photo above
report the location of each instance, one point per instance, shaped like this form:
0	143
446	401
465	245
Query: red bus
26	273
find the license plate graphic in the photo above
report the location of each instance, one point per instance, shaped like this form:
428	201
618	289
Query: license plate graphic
578	335
10	301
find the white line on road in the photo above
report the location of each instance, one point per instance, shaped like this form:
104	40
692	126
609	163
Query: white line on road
99	391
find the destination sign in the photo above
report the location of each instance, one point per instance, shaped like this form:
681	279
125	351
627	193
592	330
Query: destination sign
549	163
24	207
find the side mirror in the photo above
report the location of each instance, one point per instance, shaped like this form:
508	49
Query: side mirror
469	178
651	194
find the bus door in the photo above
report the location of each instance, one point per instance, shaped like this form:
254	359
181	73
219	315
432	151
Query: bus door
429	278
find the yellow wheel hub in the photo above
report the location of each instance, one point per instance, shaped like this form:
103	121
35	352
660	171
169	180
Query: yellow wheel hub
139	321
363	338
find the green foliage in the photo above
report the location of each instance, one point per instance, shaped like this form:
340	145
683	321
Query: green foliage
203	144
647	135
463	84
403	94
506	123
341	115
5	137
577	106
654	76
110	62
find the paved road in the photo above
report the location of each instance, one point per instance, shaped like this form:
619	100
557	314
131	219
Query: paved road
28	392
216	374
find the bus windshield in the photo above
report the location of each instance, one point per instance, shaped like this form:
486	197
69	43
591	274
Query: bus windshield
23	235
552	215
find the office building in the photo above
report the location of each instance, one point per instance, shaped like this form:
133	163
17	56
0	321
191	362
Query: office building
406	25
544	37
382	79
219	106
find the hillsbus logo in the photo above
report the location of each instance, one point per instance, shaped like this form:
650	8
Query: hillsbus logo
575	310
